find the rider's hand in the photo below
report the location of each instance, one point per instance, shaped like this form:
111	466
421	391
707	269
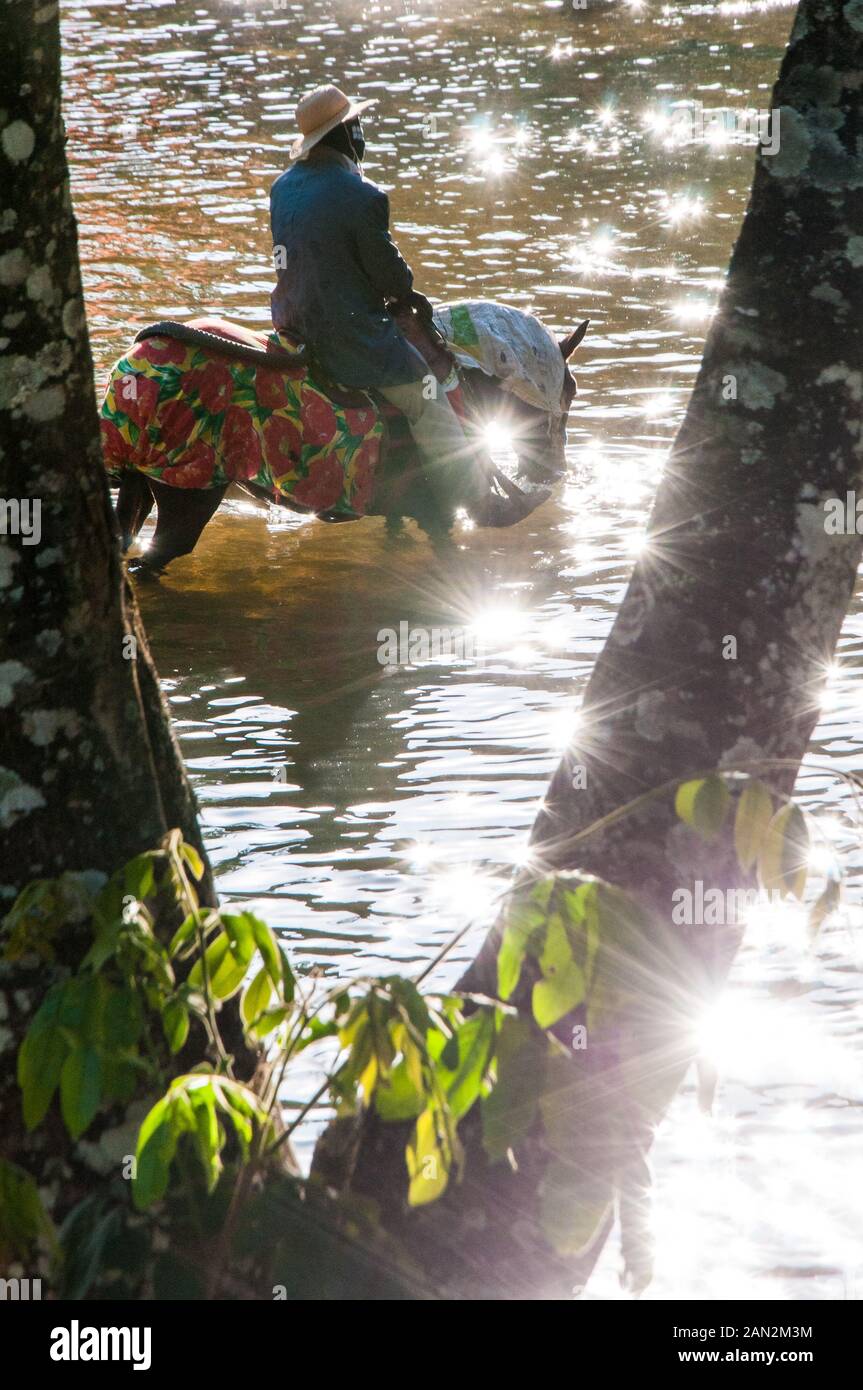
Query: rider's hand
423	306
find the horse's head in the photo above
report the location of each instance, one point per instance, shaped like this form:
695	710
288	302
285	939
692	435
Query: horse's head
538	437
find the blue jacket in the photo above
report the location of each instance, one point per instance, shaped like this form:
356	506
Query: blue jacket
336	265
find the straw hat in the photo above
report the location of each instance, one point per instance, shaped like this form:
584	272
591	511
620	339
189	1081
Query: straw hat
320	112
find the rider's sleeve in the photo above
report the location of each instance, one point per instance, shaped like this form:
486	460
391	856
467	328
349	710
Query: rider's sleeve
380	258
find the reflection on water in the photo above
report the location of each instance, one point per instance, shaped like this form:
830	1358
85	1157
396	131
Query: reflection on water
366	812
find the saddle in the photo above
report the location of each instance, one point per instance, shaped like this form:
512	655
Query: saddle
244	345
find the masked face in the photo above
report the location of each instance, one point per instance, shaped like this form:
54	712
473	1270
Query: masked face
355	131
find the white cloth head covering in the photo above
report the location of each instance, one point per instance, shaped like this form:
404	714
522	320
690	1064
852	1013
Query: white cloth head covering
509	344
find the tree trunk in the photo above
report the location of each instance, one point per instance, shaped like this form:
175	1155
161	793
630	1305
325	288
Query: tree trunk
738	549
90	774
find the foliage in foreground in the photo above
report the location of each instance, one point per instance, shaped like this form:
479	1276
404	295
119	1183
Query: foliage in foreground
210	1179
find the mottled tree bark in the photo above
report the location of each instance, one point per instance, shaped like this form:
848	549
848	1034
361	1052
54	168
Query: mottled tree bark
738	549
90	774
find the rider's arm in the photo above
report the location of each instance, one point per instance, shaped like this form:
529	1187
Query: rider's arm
380	258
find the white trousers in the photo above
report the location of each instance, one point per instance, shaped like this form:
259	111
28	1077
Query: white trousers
458	467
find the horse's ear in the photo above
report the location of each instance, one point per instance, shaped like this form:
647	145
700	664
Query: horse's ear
570	343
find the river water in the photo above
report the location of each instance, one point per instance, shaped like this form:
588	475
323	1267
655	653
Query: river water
370	813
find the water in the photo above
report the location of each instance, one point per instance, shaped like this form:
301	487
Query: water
369	815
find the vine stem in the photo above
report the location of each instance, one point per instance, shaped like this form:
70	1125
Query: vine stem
298	1120
643	799
193	907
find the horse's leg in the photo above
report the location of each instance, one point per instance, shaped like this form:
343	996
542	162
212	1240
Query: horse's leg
134	504
183	514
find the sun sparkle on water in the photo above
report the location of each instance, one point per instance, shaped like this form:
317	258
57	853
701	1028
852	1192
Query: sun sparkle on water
498	623
659	404
498	438
692	310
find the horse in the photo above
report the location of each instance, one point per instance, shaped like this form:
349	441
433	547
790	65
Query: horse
195	407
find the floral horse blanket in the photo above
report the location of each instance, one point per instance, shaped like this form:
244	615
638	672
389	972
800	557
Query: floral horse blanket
185	416
189	416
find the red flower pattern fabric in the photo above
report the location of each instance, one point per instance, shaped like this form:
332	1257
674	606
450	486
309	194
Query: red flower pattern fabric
240	444
271	389
282	445
197	467
190	419
319	422
322	489
176	424
214	386
159	351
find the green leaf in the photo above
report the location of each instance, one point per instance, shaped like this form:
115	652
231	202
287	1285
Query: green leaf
242	1108
138	876
288	980
275	961
240	927
606	913
120	1077
175	1023
269	1020
510	1108
625	953
572	1208
207	1133
428	1168
191	856
784	858
122	1020
473	1039
105	946
407	996
229	974
754	812
41	1057
563	985
90	1228
448	1055
190	1107
80	1089
398	1097
553	998
703	805
256	996
23	1218
577	1187
557	947
227	963
80	1005
157	1144
184	933
525	917
509	960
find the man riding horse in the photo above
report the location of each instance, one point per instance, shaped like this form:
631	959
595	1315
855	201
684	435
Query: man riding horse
340	280
193	408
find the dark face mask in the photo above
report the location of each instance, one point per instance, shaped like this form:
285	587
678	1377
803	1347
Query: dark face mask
355	131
